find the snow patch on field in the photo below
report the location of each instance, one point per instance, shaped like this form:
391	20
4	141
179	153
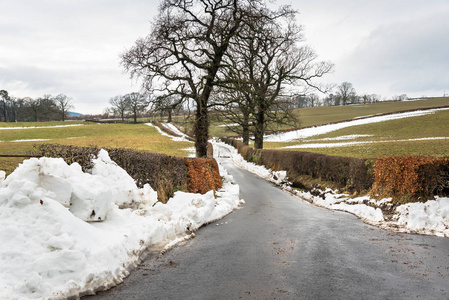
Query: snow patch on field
181	138
39	127
49	250
355	143
313	131
431	217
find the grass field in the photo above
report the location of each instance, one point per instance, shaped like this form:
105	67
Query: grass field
409	136
381	139
136	136
312	116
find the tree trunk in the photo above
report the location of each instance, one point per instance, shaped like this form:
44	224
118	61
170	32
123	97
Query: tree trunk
201	131
259	130
245	128
169	116
245	135
5	111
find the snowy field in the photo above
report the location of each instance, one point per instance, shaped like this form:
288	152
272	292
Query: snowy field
318	130
430	218
65	233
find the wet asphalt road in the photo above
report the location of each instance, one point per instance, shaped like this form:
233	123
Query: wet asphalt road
280	247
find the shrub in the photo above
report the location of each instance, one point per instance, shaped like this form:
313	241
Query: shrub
203	175
411	178
352	173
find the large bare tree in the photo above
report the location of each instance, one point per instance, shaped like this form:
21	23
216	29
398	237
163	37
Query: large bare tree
119	106
345	93
135	103
63	103
184	51
266	67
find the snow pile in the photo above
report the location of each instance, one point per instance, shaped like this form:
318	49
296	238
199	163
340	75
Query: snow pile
312	131
48	250
278	177
332	200
431	217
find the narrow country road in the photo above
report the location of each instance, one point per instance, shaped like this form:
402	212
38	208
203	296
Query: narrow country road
280	247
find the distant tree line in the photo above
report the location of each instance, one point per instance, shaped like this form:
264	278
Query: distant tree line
344	94
45	108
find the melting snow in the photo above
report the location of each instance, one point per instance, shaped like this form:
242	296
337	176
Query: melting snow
431	217
312	131
49	250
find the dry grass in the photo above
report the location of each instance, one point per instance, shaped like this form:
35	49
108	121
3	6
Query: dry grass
133	136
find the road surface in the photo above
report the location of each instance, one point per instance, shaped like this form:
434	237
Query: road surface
280	247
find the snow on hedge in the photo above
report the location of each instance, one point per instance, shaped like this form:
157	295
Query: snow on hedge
431	217
49	250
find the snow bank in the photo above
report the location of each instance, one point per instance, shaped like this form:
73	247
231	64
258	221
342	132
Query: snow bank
49	251
431	217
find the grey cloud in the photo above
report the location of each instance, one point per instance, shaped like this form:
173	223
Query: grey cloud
407	56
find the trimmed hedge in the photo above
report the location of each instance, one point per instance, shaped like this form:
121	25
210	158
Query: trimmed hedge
166	174
354	174
202	175
411	178
404	178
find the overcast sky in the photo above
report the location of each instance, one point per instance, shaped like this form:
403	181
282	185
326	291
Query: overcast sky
386	47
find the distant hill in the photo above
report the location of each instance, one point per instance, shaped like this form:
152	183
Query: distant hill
74	114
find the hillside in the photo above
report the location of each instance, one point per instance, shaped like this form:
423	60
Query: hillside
414	133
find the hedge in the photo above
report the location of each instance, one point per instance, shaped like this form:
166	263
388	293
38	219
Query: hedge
354	174
404	178
203	175
411	178
166	174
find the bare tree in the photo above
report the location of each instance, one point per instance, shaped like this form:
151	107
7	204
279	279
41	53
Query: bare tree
184	51
166	104
345	93
63	104
119	106
236	106
4	98
135	103
272	68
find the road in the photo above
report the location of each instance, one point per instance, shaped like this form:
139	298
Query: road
280	247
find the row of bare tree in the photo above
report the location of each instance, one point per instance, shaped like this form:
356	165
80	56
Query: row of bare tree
238	57
133	104
45	108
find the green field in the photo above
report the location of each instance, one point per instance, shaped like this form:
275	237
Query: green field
136	136
312	116
320	115
380	139
424	135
